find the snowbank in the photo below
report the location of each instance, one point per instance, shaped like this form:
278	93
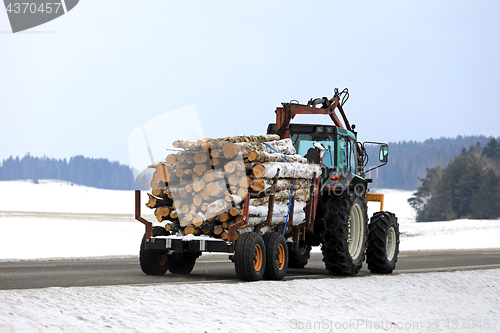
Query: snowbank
433	302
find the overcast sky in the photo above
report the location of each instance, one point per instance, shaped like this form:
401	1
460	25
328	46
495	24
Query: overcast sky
82	83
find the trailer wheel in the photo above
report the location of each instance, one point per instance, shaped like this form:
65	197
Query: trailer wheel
183	263
276	256
299	259
154	262
383	243
250	257
345	234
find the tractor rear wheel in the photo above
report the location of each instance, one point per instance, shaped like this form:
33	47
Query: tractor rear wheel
154	262
250	257
276	256
345	233
383	243
299	259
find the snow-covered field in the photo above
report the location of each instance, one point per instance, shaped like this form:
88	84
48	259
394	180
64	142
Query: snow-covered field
60	220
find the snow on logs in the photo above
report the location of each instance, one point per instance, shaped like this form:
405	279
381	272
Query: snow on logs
201	188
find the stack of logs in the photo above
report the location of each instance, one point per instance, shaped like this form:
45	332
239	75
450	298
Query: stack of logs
200	189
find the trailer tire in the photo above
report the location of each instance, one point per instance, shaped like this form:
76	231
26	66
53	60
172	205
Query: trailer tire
299	259
345	233
276	256
154	262
383	243
183	263
250	257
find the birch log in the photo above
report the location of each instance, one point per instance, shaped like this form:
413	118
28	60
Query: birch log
261	184
262	156
284	146
298	218
300	195
287	170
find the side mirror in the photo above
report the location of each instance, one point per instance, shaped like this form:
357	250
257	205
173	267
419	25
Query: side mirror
384	154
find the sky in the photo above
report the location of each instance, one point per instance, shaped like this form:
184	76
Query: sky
83	82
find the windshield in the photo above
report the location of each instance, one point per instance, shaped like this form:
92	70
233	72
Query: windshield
304	144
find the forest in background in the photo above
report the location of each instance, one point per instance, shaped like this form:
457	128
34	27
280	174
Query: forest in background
408	161
93	172
467	188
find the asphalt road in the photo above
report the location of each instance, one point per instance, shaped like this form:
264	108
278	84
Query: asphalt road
211	268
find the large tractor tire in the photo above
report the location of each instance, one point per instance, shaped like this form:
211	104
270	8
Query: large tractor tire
276	256
383	243
154	262
344	235
183	263
299	259
250	257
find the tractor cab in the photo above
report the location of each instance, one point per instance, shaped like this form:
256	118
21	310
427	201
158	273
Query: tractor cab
340	153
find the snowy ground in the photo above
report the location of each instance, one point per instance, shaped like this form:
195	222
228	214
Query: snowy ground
432	302
61	220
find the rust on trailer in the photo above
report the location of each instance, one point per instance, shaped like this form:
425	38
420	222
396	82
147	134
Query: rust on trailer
138	217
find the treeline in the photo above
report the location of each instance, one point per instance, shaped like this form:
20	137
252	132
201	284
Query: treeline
469	187
408	160
100	172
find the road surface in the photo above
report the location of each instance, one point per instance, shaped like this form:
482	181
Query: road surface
212	268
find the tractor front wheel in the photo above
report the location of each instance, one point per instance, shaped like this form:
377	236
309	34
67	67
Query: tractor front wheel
383	243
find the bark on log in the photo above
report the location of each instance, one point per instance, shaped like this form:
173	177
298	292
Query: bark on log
298	218
260	184
300	195
242	138
287	170
259	156
280	208
284	146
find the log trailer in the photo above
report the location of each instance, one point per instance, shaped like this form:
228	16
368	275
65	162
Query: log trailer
335	216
